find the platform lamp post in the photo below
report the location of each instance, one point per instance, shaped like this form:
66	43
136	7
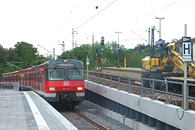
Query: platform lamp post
118	46
118	37
160	26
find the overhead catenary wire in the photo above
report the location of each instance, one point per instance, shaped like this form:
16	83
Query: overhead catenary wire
96	14
165	7
139	36
158	10
90	18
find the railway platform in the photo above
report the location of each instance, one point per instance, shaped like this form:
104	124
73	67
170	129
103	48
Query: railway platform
25	110
123	71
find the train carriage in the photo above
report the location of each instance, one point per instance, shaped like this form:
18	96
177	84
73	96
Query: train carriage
55	80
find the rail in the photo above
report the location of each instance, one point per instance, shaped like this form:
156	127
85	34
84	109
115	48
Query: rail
130	82
91	121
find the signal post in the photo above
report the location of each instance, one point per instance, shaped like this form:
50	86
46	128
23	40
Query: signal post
102	44
22	79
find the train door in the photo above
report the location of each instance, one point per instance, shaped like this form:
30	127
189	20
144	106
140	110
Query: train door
41	79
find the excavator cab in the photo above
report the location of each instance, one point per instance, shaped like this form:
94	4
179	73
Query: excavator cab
174	47
178	48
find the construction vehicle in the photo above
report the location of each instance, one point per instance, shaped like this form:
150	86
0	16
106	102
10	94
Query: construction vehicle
168	64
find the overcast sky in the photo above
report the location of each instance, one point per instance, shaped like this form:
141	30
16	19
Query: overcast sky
49	22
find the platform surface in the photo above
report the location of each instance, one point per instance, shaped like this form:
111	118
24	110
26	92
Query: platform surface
20	110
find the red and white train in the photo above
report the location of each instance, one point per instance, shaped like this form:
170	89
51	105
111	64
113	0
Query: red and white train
55	80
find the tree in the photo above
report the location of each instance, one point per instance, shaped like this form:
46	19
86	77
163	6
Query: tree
78	53
135	59
25	53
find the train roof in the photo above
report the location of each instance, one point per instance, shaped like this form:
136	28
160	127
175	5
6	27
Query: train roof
67	60
45	63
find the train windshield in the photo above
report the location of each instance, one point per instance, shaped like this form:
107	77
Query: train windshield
56	74
75	74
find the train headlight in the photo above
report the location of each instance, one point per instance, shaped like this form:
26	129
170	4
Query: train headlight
52	89
79	88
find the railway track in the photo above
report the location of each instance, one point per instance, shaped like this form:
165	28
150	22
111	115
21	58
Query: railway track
131	80
82	122
116	78
86	117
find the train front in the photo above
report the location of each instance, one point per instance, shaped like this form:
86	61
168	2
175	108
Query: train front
64	82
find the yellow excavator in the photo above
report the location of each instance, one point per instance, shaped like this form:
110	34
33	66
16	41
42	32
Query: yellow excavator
168	64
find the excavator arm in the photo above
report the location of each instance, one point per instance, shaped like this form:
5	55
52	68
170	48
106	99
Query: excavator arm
176	59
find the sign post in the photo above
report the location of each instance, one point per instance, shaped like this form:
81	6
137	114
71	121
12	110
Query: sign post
22	76
87	63
186	56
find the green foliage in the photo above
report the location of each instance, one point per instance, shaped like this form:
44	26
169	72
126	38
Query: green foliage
78	53
25	53
108	52
135	59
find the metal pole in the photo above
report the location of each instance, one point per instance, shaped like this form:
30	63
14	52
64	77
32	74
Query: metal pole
87	73
118	40
22	84
142	91
118	37
118	60
193	51
185	82
125	62
153	89
166	91
72	38
152	41
92	52
111	81
119	81
93	76
148	36
159	29
160	26
53	53
129	86
185	30
104	79
98	78
118	45
185	78
102	56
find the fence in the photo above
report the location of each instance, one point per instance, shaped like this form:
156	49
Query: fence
14	85
132	84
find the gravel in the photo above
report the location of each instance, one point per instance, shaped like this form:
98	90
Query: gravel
100	118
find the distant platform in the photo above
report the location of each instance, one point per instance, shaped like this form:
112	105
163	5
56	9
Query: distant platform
122	68
123	71
25	110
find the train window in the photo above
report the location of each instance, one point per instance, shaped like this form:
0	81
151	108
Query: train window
56	74
75	74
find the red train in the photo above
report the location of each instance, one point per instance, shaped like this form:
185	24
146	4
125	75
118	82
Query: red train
55	80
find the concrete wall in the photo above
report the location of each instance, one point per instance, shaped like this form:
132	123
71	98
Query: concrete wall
166	113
